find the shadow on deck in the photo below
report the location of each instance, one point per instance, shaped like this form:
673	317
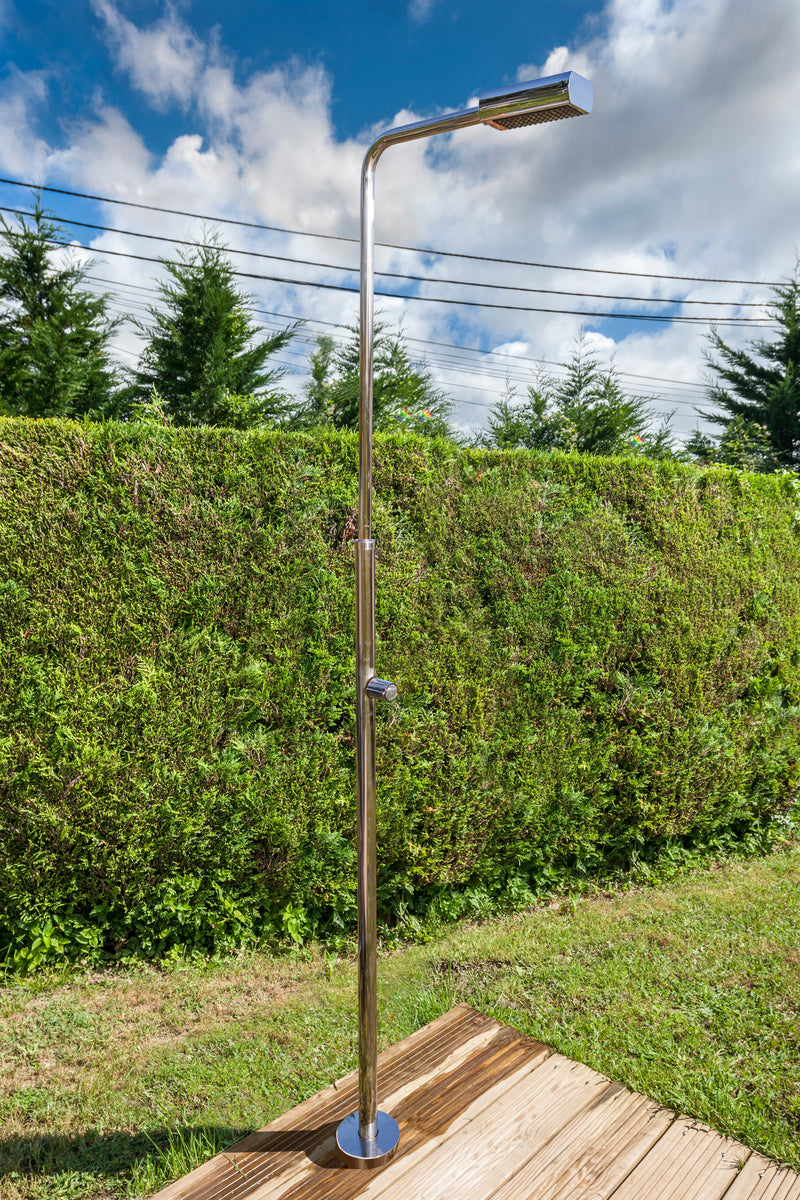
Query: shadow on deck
486	1113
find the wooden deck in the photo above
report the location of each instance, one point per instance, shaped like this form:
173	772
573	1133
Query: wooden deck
486	1112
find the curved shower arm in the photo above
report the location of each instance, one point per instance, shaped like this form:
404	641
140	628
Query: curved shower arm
392	137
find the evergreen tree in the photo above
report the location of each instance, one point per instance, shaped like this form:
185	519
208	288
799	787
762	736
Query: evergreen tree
743	444
318	408
404	393
202	357
758	391
587	410
54	334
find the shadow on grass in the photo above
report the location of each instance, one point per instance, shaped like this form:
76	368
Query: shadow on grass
109	1153
160	1154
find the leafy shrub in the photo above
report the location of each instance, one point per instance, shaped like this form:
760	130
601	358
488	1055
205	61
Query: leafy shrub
597	658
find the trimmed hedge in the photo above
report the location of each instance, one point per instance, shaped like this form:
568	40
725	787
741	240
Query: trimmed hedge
595	657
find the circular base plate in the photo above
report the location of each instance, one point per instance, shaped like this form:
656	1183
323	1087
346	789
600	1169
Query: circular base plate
374	1153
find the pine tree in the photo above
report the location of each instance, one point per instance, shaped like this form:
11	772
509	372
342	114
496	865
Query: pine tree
202	355
404	393
54	334
759	394
586	410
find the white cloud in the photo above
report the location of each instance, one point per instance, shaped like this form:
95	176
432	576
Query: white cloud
22	151
689	165
106	156
513	349
420	10
163	61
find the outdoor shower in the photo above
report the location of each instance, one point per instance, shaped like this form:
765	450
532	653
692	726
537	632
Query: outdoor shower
368	1137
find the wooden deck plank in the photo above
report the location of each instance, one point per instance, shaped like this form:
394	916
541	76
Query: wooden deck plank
424	1128
592	1155
426	1117
450	1068
426	1065
759	1179
690	1162
422	1053
486	1113
482	1155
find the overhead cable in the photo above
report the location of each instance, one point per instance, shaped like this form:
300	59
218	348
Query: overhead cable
449	346
340	287
388	245
305	262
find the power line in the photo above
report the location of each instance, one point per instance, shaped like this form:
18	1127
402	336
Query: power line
442	361
414	278
340	287
449	346
519	358
306	262
475	350
441	366
388	245
450	362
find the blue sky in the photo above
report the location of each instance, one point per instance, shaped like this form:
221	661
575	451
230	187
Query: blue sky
381	55
261	112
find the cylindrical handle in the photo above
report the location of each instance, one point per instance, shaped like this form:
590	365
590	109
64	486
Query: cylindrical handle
381	689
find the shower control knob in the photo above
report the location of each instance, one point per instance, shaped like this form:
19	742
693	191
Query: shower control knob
381	689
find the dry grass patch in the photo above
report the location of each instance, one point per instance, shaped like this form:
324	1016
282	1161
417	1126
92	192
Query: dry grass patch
47	1035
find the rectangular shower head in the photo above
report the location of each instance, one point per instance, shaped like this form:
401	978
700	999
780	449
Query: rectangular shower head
537	101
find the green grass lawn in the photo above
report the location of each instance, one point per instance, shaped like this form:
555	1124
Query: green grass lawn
113	1083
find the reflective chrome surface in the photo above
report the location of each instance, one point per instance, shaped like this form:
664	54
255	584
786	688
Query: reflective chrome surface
358	1151
367	853
538	100
367	1137
382	689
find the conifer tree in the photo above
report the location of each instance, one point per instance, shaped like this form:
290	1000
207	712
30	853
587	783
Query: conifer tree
318	407
203	356
743	444
758	393
404	393
54	334
586	410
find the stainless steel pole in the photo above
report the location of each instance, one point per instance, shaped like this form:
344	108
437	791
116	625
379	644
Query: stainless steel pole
365	671
369	1137
367	852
